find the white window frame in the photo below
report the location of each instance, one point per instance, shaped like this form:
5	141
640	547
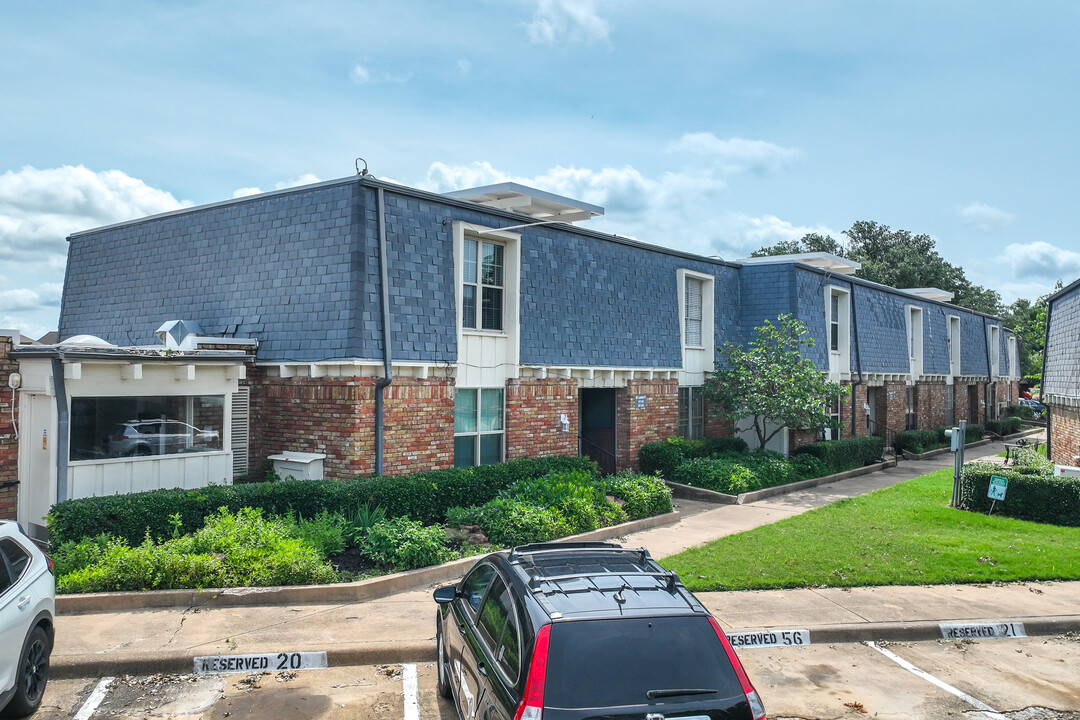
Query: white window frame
697	359
694	422
479	432
915	340
1012	356
994	339
840	358
911	408
836	417
953	340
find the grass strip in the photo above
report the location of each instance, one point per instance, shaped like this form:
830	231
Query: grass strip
903	535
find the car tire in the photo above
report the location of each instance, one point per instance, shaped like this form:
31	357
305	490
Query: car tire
143	451
442	666
32	675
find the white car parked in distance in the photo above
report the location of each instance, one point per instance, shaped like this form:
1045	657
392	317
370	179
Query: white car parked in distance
27	606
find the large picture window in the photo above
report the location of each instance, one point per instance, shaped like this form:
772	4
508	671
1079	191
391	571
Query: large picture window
113	427
482	285
478	426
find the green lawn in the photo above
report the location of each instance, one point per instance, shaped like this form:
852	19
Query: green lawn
903	535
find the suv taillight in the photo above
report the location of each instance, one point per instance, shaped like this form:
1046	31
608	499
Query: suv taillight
532	703
757	708
49	562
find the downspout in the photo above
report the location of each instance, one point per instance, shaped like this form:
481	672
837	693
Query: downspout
989	368
62	428
858	360
388	372
1042	381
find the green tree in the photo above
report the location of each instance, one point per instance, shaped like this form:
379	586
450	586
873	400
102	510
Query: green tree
770	380
897	258
1028	320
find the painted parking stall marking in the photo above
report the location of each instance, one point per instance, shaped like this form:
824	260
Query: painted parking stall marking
264	661
979	631
769	638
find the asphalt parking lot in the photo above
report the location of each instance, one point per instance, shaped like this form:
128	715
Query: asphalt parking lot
1015	679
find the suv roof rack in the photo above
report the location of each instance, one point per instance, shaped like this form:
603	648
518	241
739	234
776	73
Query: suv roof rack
576	547
669	578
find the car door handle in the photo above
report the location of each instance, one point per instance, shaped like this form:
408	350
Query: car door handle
24	601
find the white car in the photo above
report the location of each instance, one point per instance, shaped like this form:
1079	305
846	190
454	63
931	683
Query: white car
27	605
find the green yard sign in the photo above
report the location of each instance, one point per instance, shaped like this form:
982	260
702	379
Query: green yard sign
997	487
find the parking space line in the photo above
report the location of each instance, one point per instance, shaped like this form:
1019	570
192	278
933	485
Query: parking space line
412	696
974	702
94	700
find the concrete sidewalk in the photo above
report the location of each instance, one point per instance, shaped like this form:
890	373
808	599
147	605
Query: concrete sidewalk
400	628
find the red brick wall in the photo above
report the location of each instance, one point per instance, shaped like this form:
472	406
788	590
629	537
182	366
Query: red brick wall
932	405
1064	435
533	408
336	416
895	396
9	445
715	425
635	427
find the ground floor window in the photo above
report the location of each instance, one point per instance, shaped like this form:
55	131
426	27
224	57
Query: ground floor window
110	427
691	412
832	432
478	426
911	418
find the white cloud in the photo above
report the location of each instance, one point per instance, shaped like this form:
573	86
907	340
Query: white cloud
680	208
464	67
736	155
1041	260
570	20
38	210
985	217
305	179
360	75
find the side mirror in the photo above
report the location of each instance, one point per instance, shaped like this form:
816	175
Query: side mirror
445	594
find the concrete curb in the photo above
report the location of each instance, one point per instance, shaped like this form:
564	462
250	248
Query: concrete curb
689	492
100	665
978	443
359	591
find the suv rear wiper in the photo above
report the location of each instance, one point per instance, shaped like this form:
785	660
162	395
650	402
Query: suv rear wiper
653	694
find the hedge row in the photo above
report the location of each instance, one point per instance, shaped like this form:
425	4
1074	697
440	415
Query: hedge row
420	496
845	454
664	457
734	474
1005	426
920	441
1033	493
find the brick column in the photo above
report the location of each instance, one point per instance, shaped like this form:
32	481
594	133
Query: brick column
635	426
1064	435
533	407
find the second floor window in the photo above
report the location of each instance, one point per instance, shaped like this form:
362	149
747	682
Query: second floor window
834	322
693	311
482	285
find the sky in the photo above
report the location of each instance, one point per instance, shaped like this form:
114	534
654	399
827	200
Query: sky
709	126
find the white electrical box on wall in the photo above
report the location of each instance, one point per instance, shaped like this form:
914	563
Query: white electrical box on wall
1066	471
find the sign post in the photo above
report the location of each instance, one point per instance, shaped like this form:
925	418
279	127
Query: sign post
957	439
996	491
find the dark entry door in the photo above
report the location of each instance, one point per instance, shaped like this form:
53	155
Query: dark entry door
973	404
598	427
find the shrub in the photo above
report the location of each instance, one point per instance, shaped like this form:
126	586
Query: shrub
325	532
642	495
847	453
1034	492
1004	426
973	433
421	496
71	556
717	474
508	522
405	544
575	494
920	441
664	457
809	466
231	549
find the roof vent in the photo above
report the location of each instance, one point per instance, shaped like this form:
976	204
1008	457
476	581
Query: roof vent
931	293
87	341
179	334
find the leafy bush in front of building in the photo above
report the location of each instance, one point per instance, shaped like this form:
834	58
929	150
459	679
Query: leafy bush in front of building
642	495
1033	491
508	522
421	496
846	453
663	457
974	432
1004	426
404	544
735	474
231	549
920	441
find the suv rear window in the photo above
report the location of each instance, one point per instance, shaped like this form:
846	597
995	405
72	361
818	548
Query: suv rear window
610	663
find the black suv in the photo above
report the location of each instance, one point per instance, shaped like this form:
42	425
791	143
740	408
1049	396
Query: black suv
569	631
